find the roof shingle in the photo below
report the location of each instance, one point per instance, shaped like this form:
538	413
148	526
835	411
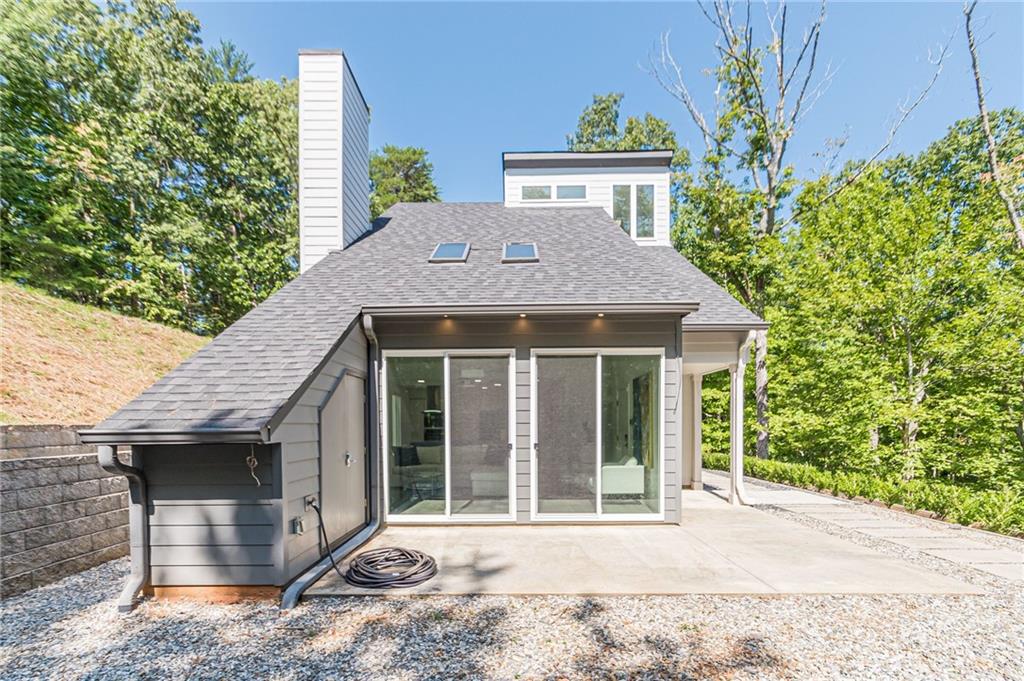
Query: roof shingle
244	376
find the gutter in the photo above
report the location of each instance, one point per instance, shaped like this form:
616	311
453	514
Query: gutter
555	308
138	525
144	436
292	594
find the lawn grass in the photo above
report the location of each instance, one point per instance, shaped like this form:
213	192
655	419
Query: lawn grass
71	364
998	510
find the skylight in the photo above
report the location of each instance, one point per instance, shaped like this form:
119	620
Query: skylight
520	252
450	251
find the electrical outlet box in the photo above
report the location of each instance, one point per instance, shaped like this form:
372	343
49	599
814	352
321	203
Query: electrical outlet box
308	501
298	525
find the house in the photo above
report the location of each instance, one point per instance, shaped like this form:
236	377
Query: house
532	361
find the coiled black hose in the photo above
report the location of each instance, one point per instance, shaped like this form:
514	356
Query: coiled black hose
390	568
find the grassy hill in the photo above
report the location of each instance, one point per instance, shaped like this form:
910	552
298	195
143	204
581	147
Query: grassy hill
65	363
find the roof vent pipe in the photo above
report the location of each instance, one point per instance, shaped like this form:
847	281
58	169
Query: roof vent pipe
138	525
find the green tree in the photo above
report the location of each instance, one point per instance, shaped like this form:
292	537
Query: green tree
899	322
400	174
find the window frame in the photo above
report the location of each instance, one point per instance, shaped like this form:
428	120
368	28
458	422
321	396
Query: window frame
385	434
467	246
523	188
633	208
505	258
582	186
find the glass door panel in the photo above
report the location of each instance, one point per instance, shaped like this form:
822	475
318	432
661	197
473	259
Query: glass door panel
416	456
566	447
630	418
479	422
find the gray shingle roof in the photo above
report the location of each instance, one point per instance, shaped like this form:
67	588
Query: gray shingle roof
242	378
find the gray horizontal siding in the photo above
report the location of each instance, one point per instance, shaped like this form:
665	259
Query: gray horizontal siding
300	454
526	334
210	522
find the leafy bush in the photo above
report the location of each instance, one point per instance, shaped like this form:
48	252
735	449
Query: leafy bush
999	510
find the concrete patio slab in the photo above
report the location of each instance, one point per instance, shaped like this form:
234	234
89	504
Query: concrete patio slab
984	555
718	549
901	532
938	542
860	522
1005	570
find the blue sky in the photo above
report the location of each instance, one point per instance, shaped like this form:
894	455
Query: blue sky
470	80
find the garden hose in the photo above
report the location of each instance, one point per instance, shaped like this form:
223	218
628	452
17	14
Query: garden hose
390	568
385	568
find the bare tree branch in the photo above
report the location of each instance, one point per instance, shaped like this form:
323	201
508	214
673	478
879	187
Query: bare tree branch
990	140
906	109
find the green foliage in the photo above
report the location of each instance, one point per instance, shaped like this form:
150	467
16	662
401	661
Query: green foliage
400	174
598	129
999	510
898	323
142	172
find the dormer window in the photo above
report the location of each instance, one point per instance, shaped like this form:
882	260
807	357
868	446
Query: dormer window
633	209
537	192
572	192
563	192
450	251
520	252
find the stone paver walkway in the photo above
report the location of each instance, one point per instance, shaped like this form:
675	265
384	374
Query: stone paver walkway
955	543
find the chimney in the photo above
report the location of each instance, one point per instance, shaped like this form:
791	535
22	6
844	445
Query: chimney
334	165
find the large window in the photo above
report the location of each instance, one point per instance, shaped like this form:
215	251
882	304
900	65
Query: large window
448	431
630	419
622	206
644	211
597	434
633	209
416	442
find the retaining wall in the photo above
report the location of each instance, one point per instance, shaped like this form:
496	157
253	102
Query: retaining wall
60	513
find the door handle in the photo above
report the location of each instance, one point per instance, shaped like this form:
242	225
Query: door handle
349	459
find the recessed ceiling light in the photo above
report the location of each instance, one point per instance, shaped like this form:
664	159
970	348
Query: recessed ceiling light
446	316
478	380
600	314
497	385
522	314
483	387
421	380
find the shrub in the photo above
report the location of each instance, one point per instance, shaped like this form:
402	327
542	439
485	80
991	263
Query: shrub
999	510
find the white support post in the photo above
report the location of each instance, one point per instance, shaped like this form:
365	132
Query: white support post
696	421
737	493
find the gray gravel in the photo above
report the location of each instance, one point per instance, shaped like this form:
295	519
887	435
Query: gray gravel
71	630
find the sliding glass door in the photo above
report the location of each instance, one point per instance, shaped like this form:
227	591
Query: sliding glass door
565	448
597	434
448	435
480	451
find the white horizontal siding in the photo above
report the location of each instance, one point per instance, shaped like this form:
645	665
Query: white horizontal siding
599	182
334	158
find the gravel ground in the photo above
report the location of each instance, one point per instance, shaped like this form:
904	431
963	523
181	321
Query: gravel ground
71	630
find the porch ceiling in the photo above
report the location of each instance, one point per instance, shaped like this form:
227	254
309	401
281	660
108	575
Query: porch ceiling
717	549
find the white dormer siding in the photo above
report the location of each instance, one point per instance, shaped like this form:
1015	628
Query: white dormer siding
553	179
334	153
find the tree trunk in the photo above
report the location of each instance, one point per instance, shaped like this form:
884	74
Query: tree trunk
761	391
990	140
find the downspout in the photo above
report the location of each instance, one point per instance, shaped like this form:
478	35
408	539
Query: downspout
138	525
292	594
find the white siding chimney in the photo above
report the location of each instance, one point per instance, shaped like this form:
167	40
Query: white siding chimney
334	156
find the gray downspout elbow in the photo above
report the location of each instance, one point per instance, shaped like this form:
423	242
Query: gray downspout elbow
138	525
